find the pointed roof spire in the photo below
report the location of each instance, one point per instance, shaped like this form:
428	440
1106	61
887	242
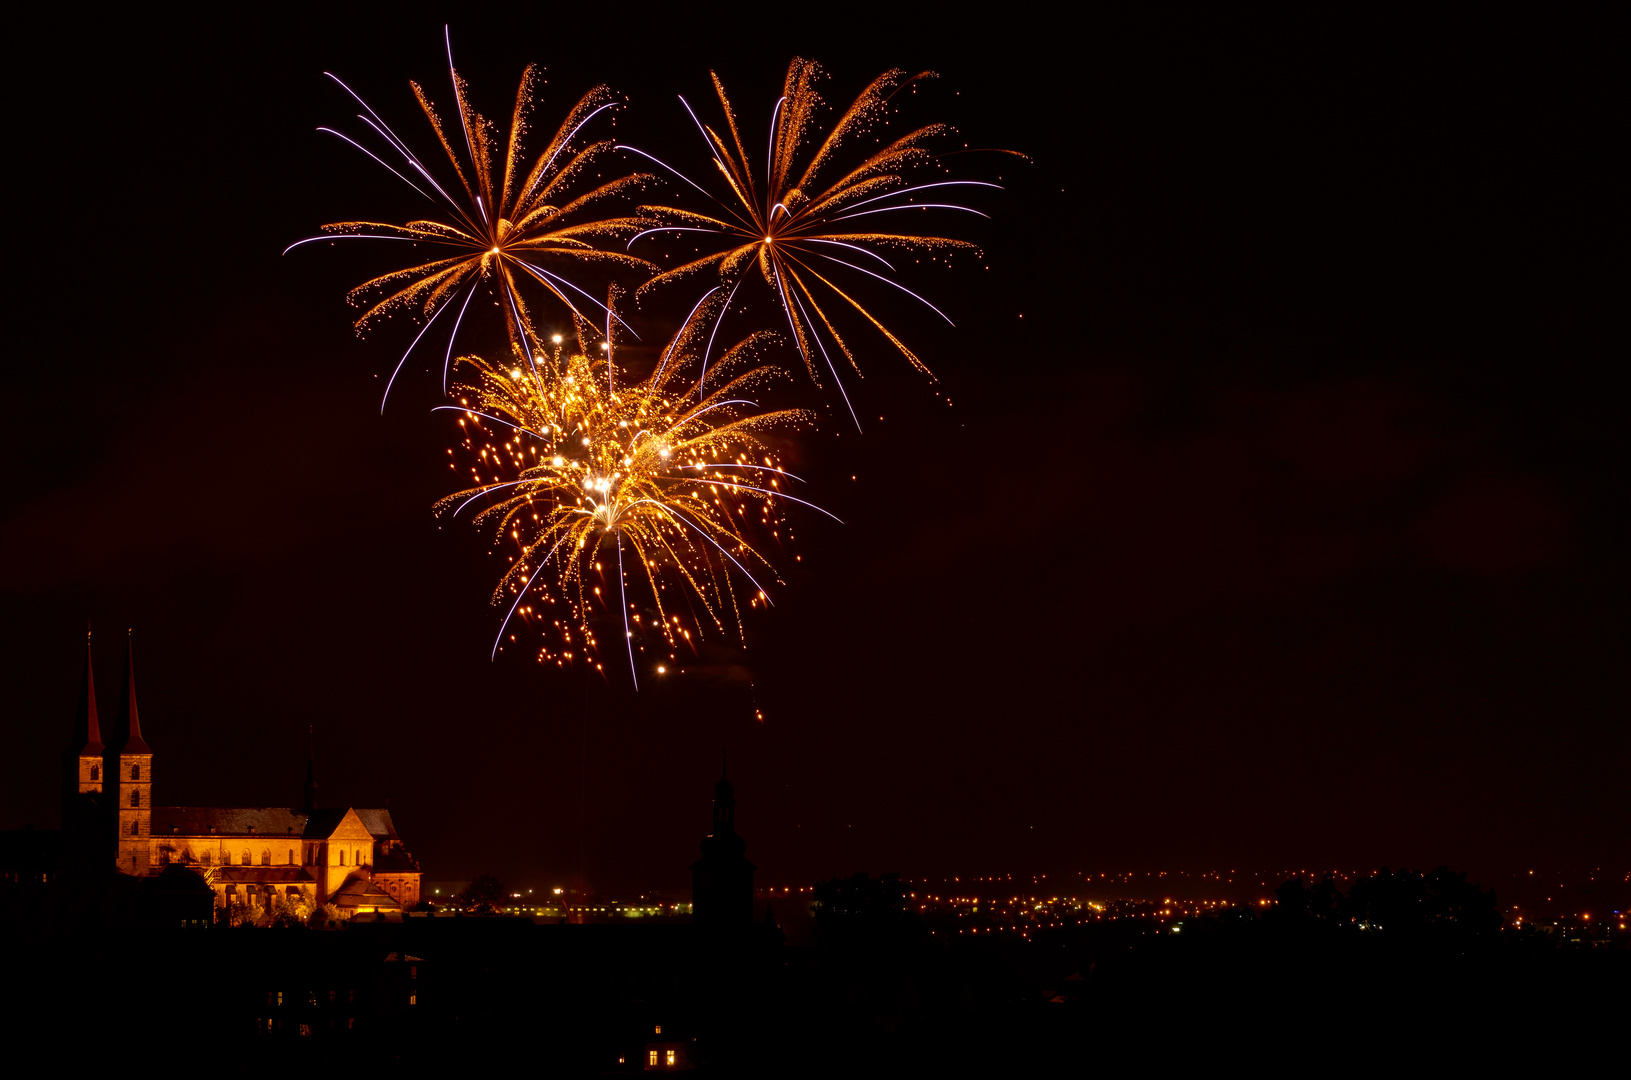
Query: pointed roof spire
723	791
128	739
87	736
724	800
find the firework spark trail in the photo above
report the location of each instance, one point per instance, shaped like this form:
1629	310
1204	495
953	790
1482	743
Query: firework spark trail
781	226
576	460
510	218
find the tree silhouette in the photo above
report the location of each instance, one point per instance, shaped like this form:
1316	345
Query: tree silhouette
484	896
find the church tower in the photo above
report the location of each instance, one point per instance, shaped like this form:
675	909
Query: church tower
128	769
722	880
82	821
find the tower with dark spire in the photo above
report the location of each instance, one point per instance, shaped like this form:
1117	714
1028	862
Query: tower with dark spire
82	765
128	777
722	880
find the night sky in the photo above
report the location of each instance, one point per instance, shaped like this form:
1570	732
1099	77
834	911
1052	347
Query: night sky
1278	520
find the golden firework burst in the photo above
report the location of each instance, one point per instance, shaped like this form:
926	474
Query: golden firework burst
661	485
504	219
804	222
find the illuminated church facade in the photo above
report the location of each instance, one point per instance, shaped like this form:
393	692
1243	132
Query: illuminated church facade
349	857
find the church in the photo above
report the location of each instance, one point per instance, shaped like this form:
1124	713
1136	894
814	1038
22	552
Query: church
250	857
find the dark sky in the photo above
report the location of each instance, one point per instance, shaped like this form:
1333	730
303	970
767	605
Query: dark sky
1279	520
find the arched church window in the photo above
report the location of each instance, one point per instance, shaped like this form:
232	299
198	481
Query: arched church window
205	857
248	860
266	856
136	797
135	772
291	856
134	826
96	772
342	856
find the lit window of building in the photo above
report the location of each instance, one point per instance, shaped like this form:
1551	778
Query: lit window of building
651	1057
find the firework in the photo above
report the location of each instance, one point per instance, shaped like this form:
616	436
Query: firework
502	219
802	221
595	488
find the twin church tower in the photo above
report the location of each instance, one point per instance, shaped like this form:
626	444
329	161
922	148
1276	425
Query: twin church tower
107	788
249	856
350	857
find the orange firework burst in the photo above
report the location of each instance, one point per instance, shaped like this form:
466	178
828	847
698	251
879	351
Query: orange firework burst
595	487
505	219
799	226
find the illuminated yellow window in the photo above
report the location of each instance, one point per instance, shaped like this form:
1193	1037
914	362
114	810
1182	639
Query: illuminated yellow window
671	1057
658	1029
651	1057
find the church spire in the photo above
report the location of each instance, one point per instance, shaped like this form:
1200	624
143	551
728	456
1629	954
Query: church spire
82	768
722	880
87	736
129	778
724	800
128	734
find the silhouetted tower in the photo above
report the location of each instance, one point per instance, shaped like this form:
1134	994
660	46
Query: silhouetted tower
128	777
309	802
83	826
722	880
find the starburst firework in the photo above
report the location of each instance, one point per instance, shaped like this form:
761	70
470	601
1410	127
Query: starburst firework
504	221
798	227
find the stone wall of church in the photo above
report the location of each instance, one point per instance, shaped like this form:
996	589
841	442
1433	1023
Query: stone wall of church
403	888
227	850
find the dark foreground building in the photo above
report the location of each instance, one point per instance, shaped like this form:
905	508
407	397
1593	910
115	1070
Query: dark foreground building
401	990
722	880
